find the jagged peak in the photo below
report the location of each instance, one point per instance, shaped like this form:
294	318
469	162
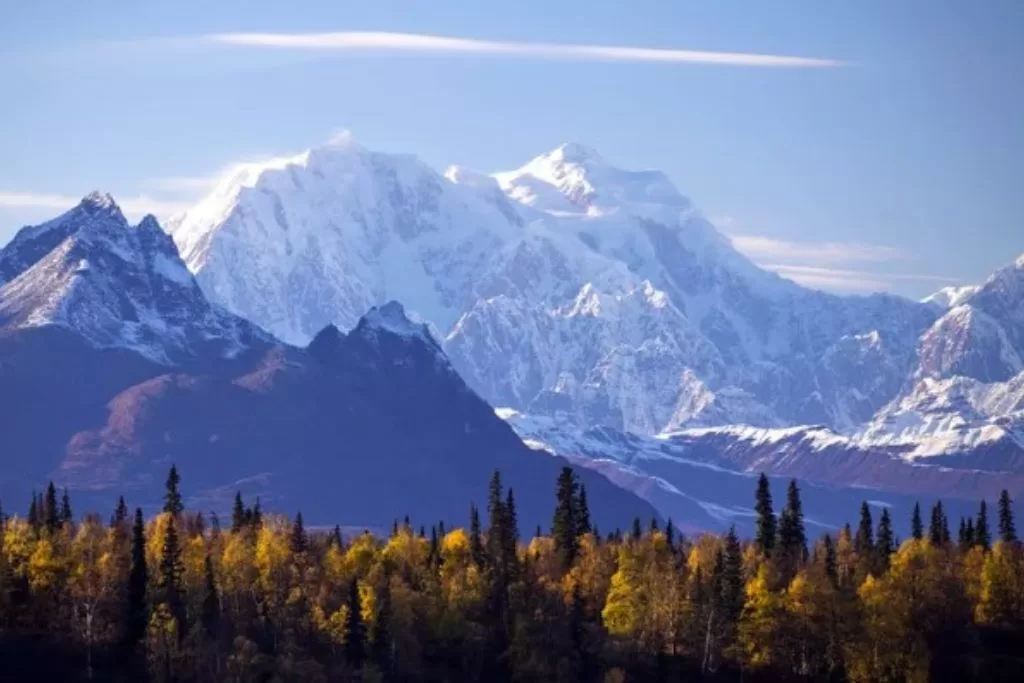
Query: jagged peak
574	153
391	317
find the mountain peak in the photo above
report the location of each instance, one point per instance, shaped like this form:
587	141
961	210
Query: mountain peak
575	153
391	317
97	203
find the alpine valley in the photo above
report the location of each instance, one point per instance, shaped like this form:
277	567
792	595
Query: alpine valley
595	308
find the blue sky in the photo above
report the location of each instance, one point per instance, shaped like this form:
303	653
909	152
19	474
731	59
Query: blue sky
895	164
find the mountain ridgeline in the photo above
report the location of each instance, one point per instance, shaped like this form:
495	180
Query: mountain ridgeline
113	363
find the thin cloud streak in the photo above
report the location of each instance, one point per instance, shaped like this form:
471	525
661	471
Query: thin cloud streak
368	41
846	280
135	207
761	247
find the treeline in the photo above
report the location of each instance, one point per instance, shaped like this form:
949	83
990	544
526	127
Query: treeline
178	598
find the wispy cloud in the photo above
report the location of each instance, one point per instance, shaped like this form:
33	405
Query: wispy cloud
761	247
134	207
835	266
373	41
845	280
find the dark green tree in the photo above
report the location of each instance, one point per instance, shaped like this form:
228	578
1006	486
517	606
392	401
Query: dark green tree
831	567
137	616
354	629
792	538
381	644
885	541
863	542
336	538
732	577
764	536
210	617
583	525
66	516
1007	527
565	526
938	531
51	511
120	513
982	530
476	544
636	533
238	514
169	574
297	541
916	525
172	498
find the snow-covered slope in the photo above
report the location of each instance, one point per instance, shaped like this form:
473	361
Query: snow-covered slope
116	285
568	287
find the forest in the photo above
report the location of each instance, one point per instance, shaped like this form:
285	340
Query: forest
182	597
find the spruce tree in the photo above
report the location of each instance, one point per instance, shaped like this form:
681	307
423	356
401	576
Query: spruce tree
34	516
354	629
670	534
297	541
210	617
336	538
169	574
982	531
916	525
381	648
497	532
120	513
885	541
564	526
636	533
764	536
256	518
936	534
137	615
732	577
1007	527
969	534
583	525
792	534
51	513
66	516
831	566
863	542
172	498
476	545
238	516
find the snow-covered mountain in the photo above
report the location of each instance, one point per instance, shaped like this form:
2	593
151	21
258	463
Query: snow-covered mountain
567	287
116	285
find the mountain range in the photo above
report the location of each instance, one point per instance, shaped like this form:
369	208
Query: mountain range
114	365
602	314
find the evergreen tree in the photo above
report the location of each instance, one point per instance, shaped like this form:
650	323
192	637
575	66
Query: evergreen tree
885	541
238	514
916	525
354	629
498	531
172	499
256	518
831	567
670	534
66	516
336	538
863	542
732	577
982	531
512	519
169	574
636	533
210	617
564	526
476	545
938	533
764	537
34	516
120	513
51	513
792	535
137	615
1007	527
297	541
381	647
583	525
